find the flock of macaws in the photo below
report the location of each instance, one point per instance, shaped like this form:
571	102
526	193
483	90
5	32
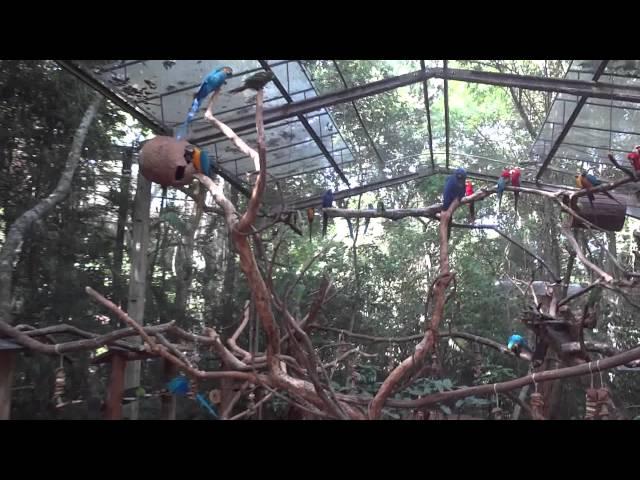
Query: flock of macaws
457	186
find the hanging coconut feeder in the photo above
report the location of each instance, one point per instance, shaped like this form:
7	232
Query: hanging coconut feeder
171	163
605	212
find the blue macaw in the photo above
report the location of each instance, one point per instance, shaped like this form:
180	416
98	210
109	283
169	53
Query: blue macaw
180	386
212	82
327	202
502	183
517	343
367	220
454	188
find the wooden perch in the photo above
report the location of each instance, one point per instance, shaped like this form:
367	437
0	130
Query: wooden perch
427	343
540	377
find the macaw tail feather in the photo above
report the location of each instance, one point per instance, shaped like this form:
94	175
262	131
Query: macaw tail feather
310	231
472	211
591	198
238	90
499	201
350	228
366	226
181	131
203	401
325	219
612	197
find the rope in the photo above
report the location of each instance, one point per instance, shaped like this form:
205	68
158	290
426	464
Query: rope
600	372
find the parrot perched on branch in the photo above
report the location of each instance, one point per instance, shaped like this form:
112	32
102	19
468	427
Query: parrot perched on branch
634	159
180	386
454	188
588	181
211	83
517	343
255	82
515	181
505	177
468	191
310	212
327	202
199	158
366	220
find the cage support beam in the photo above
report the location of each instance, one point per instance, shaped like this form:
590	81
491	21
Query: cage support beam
425	90
570	121
607	91
312	133
94	83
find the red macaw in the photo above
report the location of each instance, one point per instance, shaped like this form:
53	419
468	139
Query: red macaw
468	191
310	220
515	181
634	158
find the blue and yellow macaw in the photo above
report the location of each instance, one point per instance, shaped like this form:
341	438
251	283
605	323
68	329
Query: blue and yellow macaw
180	386
199	158
211	83
588	181
517	343
454	188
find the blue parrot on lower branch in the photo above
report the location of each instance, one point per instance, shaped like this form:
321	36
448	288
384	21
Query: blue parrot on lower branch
327	202
517	343
211	83
180	386
454	188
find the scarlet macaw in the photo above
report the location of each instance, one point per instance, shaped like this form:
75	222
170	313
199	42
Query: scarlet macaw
310	220
634	159
467	193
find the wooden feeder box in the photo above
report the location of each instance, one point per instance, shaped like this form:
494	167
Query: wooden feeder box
605	213
162	161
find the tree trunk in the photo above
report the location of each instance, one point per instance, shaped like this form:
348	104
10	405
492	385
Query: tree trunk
230	274
123	209
138	279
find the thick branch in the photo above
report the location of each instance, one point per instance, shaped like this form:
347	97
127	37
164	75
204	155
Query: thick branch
576	247
540	377
423	348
